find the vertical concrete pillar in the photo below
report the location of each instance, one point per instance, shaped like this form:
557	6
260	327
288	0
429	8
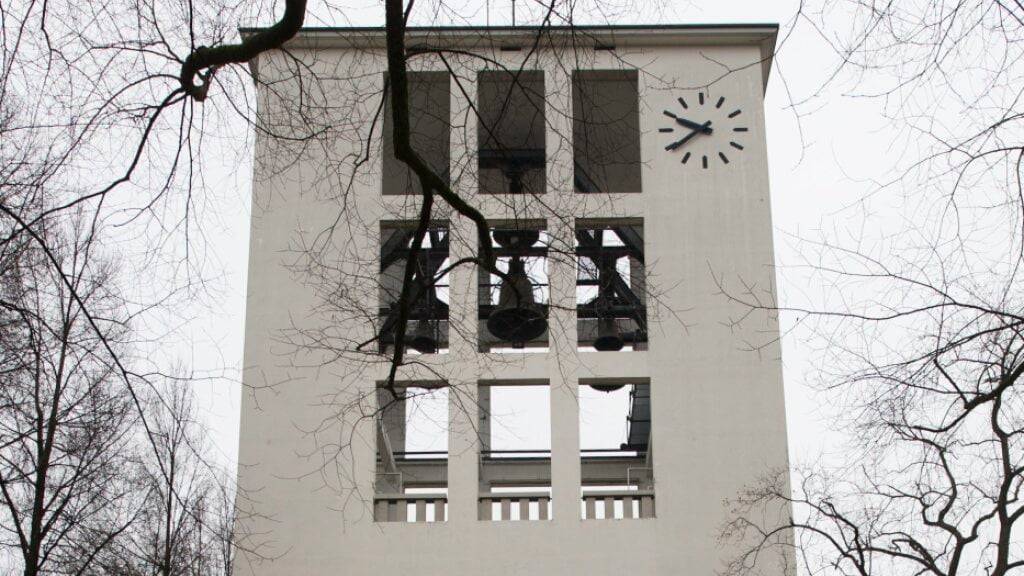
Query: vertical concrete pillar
462	453
463	445
562	361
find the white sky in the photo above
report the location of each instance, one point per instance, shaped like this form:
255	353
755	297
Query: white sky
818	166
518	414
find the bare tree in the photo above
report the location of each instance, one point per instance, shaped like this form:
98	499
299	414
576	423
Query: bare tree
77	484
923	358
64	420
185	516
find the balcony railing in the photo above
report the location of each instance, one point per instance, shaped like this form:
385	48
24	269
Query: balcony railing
410	507
519	506
617	504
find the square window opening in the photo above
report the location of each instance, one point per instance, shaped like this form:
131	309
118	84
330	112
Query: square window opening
611	300
606	131
515	452
616	451
411	480
429	127
427	325
511	132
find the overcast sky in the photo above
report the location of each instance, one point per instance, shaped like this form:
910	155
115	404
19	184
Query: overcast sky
820	165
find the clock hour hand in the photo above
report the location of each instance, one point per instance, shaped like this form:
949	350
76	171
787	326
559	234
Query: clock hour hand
705	127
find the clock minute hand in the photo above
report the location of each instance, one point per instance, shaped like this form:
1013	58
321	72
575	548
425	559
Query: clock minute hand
705	127
681	141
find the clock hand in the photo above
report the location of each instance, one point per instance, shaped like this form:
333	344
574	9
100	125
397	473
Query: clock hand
685	139
679	142
705	127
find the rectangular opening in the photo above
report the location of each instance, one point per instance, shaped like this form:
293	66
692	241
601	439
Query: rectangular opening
606	131
616	451
427	326
611	301
513	311
515	451
411	483
430	128
511	132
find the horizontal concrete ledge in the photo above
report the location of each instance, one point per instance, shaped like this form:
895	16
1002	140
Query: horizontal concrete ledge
508	36
524	368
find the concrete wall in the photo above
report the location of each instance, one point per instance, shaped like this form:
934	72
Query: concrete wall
307	454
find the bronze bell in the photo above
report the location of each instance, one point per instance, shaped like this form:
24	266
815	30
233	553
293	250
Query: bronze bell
423	338
423	335
517	318
515	181
516	239
608	337
606	387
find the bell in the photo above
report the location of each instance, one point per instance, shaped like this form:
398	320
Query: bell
515	182
606	387
422	338
514	175
608	337
517	318
516	239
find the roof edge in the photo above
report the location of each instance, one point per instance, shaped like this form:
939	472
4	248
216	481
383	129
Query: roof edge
762	34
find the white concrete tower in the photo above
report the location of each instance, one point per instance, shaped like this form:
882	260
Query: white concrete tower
587	413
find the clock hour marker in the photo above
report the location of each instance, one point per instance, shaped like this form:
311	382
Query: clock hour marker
669	114
683	102
666	129
742	129
736	145
723	157
685	158
700	96
721	100
704	162
734	113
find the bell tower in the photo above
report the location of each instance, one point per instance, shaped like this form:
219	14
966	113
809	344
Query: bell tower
584	408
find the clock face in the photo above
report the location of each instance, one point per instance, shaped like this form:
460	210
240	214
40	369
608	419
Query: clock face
705	130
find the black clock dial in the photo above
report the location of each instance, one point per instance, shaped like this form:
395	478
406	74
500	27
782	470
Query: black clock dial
707	127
